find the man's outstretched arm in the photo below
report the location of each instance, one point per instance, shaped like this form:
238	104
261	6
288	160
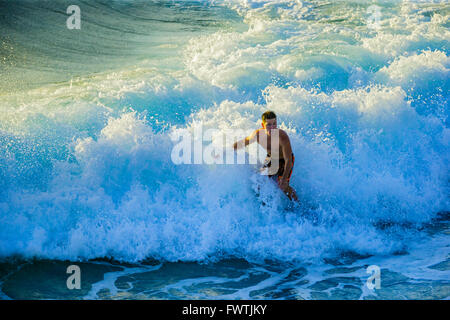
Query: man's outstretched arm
245	142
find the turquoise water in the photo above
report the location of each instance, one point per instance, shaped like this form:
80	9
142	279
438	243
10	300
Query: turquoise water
85	151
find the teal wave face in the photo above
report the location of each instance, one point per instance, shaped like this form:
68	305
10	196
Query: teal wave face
39	48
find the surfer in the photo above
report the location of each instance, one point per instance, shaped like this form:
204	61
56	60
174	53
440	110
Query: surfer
280	152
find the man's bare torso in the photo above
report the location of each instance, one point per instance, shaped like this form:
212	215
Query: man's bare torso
265	141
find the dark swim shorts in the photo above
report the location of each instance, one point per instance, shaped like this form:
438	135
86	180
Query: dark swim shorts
281	163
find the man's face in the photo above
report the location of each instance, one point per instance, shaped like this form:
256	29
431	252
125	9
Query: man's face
270	124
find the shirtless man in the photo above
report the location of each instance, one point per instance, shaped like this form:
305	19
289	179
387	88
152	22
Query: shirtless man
284	153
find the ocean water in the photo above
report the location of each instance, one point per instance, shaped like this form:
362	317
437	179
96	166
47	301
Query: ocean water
87	178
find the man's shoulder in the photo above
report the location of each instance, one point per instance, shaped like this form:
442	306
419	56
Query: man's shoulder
256	134
258	131
283	134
